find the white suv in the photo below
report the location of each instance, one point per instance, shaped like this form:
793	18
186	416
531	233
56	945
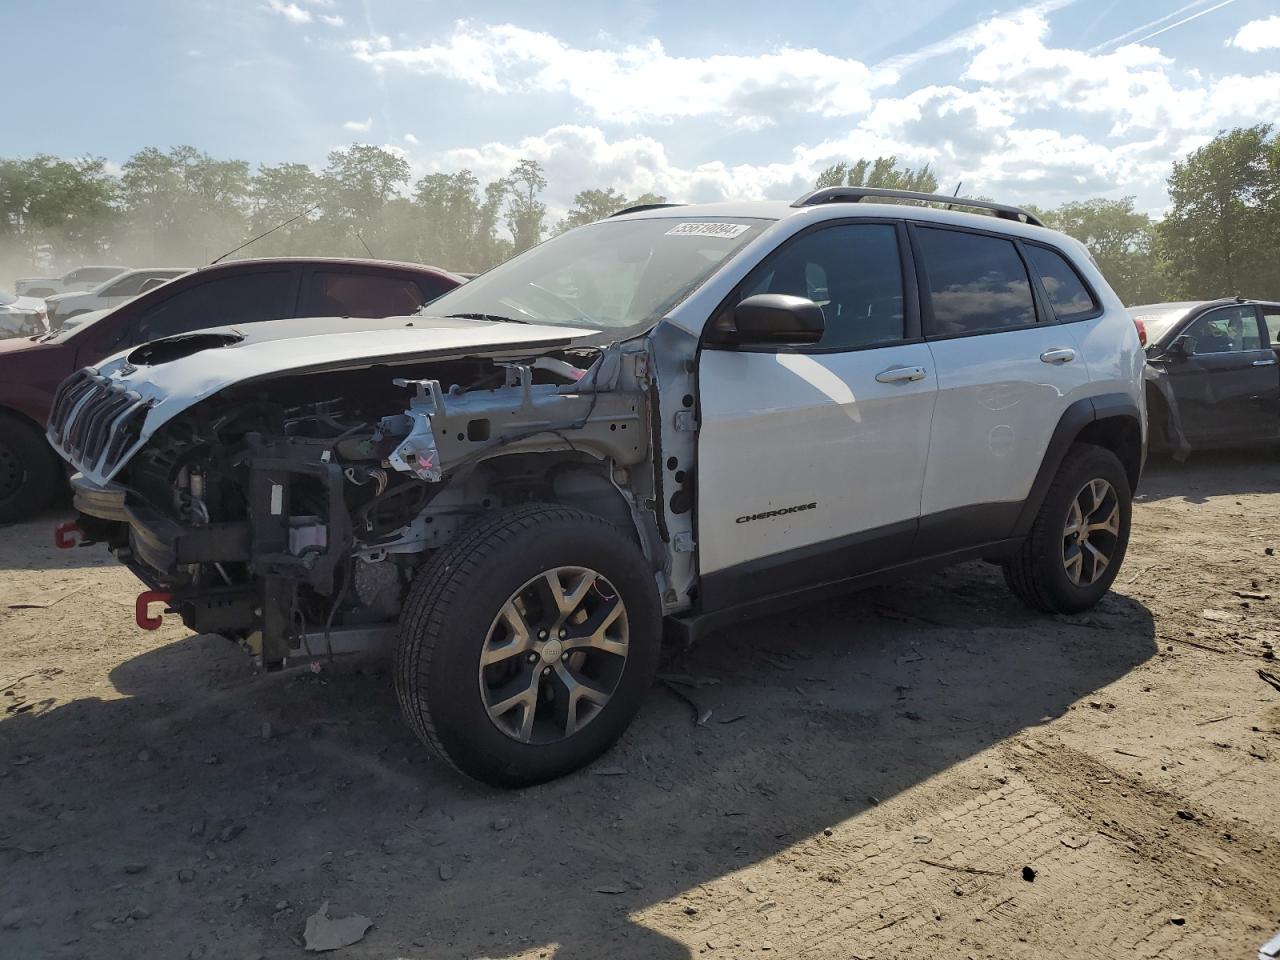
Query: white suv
109	295
682	415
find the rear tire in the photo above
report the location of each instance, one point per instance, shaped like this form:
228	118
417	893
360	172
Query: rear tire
481	628
1079	538
30	476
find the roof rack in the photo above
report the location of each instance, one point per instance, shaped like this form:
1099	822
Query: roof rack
642	206
856	194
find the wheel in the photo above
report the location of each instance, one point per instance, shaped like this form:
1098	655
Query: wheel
528	643
1078	540
29	473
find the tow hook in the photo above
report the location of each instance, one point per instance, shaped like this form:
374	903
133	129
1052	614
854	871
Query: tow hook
144	601
67	535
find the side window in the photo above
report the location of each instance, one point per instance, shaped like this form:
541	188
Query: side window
852	271
1070	297
244	299
127	286
1228	330
977	283
1271	316
331	293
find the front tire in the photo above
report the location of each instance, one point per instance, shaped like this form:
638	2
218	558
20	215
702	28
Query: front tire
29	474
528	643
1079	538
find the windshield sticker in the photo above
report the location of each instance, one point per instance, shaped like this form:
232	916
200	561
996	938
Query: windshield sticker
725	231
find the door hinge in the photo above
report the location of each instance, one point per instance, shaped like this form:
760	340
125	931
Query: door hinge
683	542
685	422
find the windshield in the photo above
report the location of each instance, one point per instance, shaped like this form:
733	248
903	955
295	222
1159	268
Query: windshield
6	298
608	275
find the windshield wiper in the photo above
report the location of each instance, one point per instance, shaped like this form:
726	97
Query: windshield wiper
492	317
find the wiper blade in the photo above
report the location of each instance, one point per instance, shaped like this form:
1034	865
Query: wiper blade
491	317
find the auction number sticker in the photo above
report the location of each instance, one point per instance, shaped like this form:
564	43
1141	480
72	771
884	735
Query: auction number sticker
725	231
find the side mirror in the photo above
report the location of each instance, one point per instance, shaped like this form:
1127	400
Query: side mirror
1183	347
776	319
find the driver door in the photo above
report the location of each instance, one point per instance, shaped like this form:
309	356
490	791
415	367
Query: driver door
811	459
1228	390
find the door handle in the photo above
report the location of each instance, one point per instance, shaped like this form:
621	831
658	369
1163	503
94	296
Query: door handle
1058	355
1264	363
901	374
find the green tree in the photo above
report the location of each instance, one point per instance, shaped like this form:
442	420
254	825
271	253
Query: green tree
883	172
592	205
1223	226
358	184
1123	243
525	212
279	194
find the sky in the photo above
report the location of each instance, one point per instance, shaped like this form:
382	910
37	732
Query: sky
1029	103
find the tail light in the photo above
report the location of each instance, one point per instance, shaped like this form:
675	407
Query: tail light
1142	331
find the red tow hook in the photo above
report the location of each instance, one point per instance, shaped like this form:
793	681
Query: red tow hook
67	535
141	612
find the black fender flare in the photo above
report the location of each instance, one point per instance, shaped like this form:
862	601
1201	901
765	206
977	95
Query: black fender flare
1074	421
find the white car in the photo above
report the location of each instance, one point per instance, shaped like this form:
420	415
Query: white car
21	316
112	293
680	415
81	278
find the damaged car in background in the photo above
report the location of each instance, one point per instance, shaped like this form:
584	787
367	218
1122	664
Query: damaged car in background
679	416
1213	373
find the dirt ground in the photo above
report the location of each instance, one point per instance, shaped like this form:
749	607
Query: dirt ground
926	771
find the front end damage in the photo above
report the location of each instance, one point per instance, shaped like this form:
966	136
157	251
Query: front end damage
291	512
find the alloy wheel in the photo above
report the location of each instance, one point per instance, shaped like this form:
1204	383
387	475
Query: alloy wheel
1091	533
553	655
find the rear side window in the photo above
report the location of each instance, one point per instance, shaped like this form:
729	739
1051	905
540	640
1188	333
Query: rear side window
852	271
248	298
332	293
977	283
1071	299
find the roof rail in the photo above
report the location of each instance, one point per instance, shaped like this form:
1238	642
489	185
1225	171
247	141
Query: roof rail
642	206
856	194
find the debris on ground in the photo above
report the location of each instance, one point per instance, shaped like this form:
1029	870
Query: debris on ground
333	933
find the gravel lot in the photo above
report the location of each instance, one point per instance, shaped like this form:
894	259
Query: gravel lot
919	771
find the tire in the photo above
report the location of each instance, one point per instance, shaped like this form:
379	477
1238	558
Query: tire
462	601
29	473
1045	574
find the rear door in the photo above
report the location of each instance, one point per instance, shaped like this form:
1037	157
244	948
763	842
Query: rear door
1228	390
811	459
1007	370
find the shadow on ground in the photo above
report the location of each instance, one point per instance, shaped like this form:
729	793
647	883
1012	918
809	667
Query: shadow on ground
1212	473
816	715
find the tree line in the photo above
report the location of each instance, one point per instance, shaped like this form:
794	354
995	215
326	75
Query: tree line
1219	237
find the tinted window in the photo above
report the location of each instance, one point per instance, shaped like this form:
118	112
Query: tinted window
852	271
976	283
1067	292
330	293
244	299
1229	330
132	285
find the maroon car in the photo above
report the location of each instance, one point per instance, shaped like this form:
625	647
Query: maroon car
241	291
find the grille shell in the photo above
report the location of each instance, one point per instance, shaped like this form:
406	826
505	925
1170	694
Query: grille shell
95	422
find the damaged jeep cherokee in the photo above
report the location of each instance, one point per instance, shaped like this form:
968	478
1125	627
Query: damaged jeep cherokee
676	417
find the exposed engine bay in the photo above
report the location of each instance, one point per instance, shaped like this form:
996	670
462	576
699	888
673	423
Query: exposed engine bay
291	513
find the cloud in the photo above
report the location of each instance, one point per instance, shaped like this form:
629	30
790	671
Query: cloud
290	11
359	126
637	83
332	20
1258	35
410	139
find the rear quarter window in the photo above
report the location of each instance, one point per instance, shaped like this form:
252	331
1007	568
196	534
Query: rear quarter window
1070	297
344	294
